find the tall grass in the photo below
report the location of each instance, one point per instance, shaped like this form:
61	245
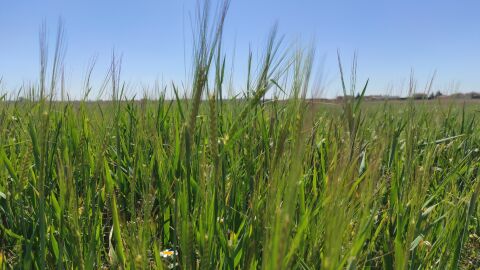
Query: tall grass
211	183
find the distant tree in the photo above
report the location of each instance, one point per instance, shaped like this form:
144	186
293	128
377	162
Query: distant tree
419	96
435	95
22	99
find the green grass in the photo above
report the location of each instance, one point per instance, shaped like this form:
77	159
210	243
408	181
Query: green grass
237	184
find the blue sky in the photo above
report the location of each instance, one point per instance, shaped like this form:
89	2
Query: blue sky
390	37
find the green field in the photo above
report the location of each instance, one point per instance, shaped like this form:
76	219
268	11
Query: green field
245	183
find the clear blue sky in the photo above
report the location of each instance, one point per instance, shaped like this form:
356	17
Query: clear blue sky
391	38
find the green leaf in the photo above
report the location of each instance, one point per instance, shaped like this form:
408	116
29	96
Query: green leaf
416	242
